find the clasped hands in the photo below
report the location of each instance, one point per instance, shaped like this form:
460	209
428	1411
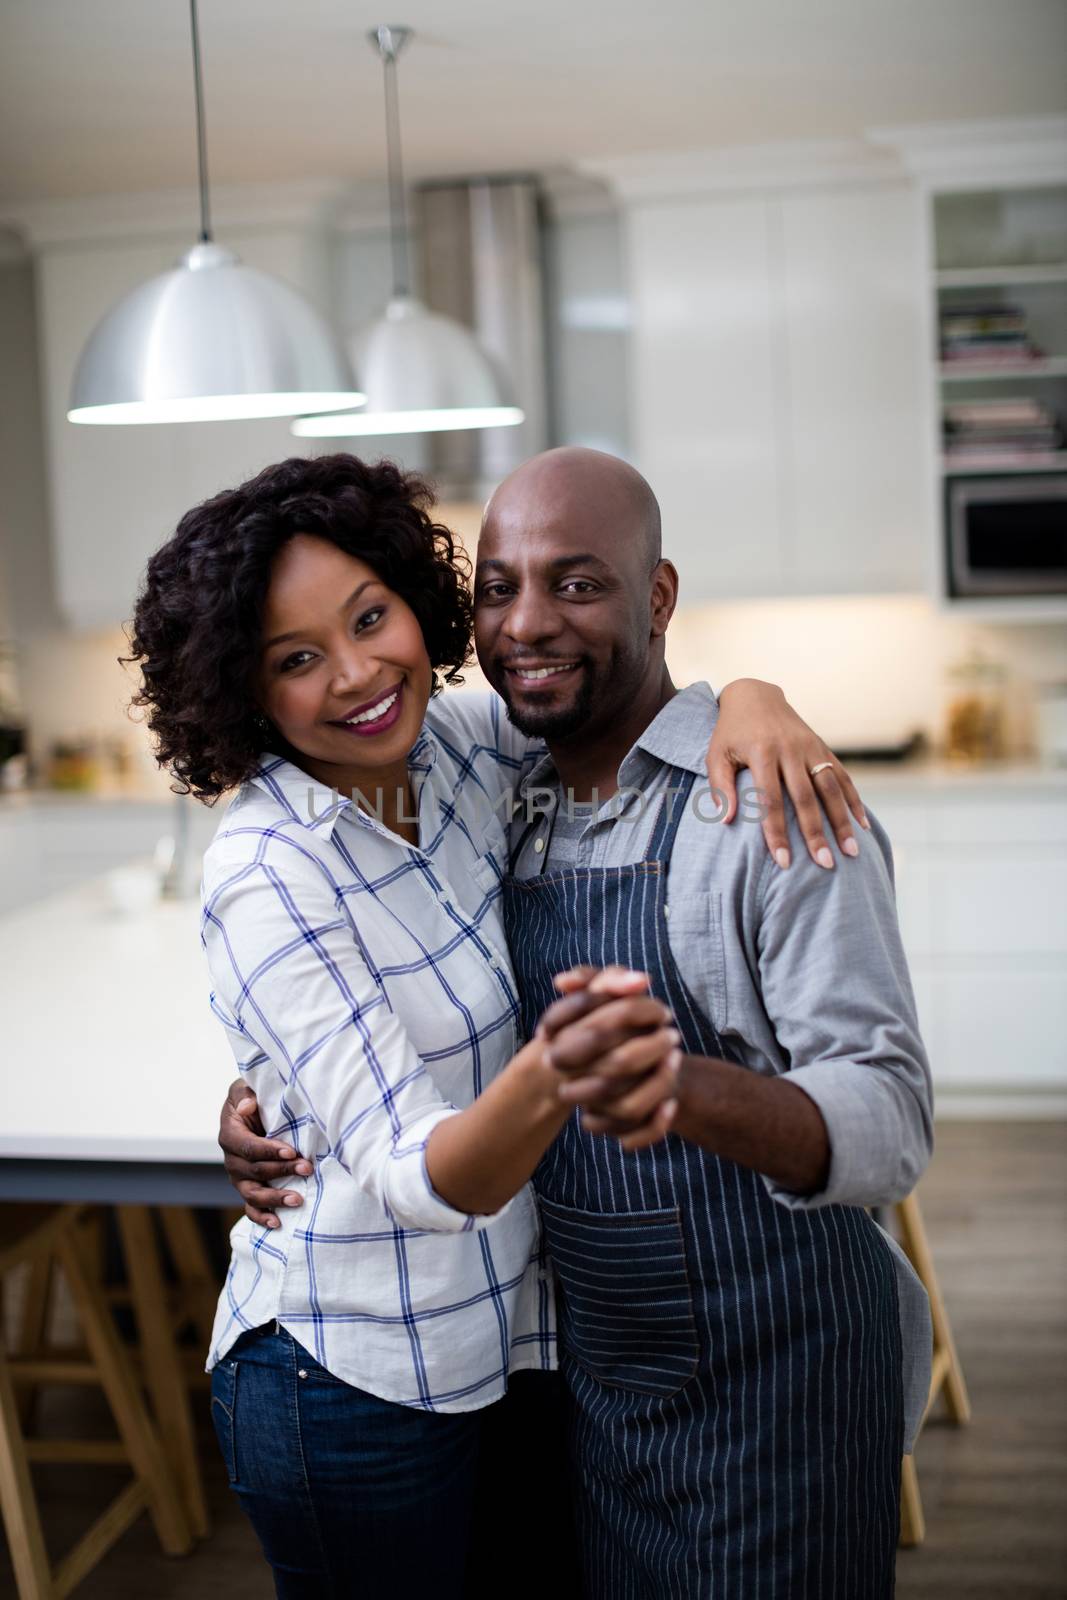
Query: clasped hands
606	1045
615	1050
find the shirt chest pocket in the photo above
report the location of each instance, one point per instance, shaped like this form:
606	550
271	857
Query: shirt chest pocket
695	935
489	862
486	872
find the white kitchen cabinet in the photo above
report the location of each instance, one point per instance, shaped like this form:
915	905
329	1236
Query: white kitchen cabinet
19	862
779	389
49	843
1003	1030
981	875
118	492
1000	902
852	431
705	383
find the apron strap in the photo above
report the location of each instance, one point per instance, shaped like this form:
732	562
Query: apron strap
672	809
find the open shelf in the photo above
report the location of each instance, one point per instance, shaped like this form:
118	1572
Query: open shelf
1004	248
1053	461
958	372
996	277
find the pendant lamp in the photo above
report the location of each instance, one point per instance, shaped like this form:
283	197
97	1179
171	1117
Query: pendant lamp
422	372
211	339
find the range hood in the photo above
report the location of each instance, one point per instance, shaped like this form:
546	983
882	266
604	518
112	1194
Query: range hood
480	247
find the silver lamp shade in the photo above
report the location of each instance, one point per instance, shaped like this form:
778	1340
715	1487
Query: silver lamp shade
210	340
423	373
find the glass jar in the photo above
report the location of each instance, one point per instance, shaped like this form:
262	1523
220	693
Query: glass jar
975	710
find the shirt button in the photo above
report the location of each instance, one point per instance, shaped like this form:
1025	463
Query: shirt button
539	845
301	1373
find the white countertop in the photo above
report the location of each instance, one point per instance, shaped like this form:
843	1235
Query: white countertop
16	802
921	772
926	777
110	1048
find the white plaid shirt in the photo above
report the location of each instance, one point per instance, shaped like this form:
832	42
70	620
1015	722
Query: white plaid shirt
366	990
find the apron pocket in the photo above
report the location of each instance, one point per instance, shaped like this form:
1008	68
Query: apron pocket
626	1310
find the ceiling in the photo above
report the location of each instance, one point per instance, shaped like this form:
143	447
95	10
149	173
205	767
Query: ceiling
95	95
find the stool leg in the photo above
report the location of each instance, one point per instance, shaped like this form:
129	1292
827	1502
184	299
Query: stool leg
33	1326
164	1500
917	1248
162	1368
198	1285
33	1572
912	1521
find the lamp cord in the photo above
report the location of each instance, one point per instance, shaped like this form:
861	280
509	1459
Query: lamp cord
201	134
398	221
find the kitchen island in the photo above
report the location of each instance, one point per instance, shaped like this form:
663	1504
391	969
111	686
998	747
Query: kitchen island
114	1070
114	1065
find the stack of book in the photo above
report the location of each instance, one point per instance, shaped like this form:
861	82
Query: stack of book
986	336
1008	431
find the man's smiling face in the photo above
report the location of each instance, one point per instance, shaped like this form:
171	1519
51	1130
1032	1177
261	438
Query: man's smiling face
567	565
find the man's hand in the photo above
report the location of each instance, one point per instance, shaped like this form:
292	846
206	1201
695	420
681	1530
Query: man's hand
616	1050
251	1160
762	1122
758	729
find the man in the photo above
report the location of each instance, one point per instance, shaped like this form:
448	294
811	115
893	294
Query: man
745	1353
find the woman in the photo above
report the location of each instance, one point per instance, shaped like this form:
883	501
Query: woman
352	925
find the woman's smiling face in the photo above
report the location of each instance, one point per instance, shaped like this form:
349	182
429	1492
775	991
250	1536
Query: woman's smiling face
344	673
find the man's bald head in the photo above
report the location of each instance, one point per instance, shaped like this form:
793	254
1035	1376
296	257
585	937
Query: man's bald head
583	490
571	595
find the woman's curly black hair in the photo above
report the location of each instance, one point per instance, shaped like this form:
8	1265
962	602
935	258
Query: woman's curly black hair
196	629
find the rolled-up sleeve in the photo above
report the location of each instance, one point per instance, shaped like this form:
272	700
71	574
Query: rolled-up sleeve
835	985
289	977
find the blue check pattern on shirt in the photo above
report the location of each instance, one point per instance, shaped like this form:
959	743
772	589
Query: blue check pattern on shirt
367	993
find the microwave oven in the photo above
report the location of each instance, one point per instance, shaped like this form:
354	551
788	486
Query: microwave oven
1006	534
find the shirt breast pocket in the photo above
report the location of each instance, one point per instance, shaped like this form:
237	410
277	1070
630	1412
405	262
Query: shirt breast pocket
486	872
695	936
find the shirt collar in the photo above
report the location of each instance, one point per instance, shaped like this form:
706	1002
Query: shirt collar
676	737
316	806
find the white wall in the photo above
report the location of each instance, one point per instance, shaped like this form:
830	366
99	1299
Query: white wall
863	669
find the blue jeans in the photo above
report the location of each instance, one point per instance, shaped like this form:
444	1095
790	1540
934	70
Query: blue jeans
354	1496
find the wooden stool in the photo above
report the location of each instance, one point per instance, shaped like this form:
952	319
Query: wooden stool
198	1283
946	1374
49	1238
161	1316
163	1311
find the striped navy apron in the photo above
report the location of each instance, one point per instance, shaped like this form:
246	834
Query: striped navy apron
733	1367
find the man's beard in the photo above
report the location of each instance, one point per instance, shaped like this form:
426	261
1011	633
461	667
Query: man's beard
601	696
553	722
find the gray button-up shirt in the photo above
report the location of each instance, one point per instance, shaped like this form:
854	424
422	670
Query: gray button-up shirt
802	971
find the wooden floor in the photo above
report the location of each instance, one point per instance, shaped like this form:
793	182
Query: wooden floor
995	1202
995	1492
